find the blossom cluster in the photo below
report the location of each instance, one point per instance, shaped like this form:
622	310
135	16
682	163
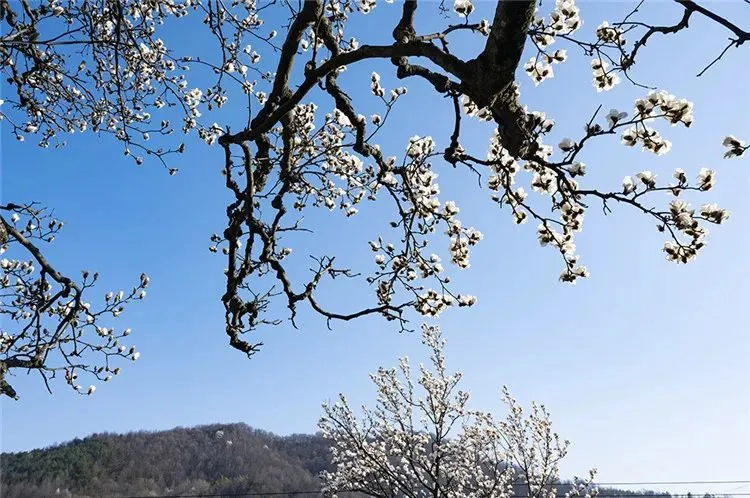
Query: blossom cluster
327	173
610	34
473	110
604	78
735	147
558	179
431	443
288	157
111	86
539	68
564	20
51	328
463	7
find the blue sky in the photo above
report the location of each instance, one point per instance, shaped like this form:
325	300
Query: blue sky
645	366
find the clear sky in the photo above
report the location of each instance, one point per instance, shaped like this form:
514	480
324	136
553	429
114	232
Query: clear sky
645	366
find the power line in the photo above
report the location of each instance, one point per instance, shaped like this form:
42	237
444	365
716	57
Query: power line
317	492
655	483
600	495
218	495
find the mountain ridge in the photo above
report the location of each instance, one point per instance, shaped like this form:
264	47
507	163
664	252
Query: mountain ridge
212	459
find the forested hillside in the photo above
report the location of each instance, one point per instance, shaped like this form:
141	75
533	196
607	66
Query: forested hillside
211	460
208	459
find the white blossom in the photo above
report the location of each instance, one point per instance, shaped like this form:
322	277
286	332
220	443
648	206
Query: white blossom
706	179
463	7
396	444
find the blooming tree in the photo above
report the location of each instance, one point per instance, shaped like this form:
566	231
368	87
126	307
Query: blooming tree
413	445
104	66
57	331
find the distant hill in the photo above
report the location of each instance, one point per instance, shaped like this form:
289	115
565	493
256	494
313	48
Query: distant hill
174	462
210	460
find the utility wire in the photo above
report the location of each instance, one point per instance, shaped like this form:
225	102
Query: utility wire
655	483
318	493
600	495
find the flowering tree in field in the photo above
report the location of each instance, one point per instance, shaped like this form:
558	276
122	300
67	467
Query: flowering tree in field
104	66
413	444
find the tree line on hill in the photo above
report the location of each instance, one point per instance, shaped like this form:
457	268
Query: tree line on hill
214	459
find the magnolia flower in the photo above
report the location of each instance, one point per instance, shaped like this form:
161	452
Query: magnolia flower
466	300
566	144
679	175
366	5
603	80
647	178
451	209
629	137
559	55
474	235
736	147
544	183
571	275
614	116
463	7
714	213
677	253
538	70
706	179
91	390
484	27
731	141
578	169
681	214
628	186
